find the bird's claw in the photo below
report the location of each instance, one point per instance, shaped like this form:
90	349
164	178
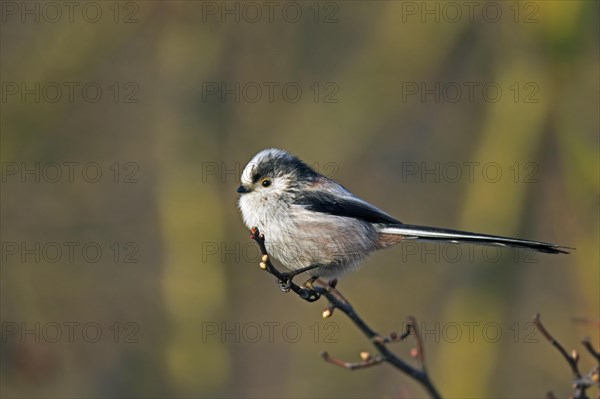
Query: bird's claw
285	284
308	284
310	295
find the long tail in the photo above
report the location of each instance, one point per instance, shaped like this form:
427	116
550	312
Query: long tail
436	234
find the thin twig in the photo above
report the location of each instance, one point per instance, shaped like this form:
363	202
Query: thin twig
369	362
394	337
572	361
581	383
587	343
421	376
412	322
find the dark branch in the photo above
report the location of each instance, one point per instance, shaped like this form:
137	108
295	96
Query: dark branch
590	348
571	360
581	383
313	293
394	337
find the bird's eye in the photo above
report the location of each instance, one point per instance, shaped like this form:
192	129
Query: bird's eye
266	182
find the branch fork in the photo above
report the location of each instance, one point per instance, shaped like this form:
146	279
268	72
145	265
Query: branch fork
581	383
318	288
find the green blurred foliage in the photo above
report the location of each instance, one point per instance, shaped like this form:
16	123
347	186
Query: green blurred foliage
179	211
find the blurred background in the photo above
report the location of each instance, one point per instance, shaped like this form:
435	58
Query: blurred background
126	269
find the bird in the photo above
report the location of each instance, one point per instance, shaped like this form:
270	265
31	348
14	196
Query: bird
313	224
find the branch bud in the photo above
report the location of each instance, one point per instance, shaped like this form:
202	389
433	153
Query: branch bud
414	352
596	375
575	355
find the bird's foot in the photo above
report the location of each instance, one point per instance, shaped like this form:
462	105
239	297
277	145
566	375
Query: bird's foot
286	282
308	284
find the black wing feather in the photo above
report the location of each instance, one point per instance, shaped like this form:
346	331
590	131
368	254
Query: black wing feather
343	206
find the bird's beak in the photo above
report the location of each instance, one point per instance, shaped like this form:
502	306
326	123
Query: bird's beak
242	190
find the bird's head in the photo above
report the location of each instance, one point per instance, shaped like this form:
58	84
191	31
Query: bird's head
274	172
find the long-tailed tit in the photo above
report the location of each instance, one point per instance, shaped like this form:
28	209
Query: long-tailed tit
310	222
